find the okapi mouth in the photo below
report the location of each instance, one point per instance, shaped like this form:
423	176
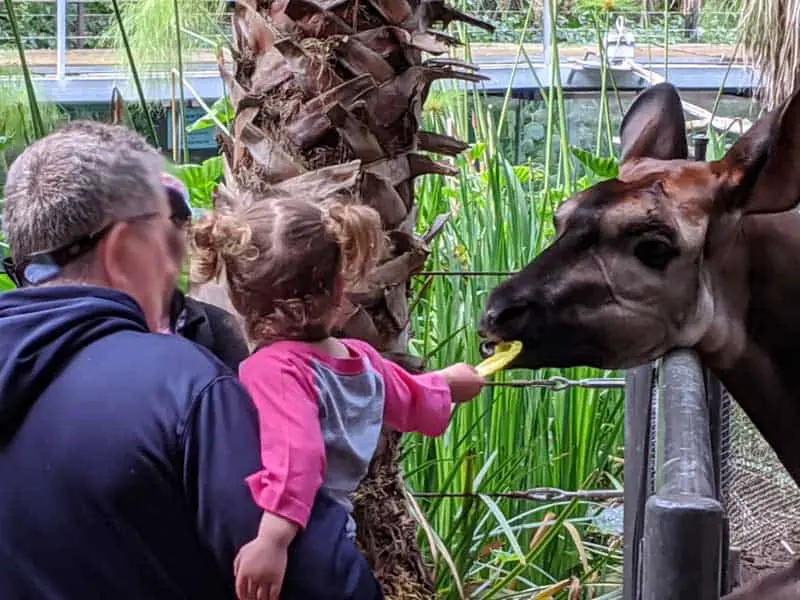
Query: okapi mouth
487	348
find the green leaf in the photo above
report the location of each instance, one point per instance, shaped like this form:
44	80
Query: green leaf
601	167
523	173
5	283
212	169
221	110
200	180
477	150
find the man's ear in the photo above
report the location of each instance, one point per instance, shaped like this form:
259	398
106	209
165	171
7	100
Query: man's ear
654	126
762	166
111	256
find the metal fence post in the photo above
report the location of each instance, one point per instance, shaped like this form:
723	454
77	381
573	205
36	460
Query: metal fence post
700	147
61	38
683	521
718	412
638	387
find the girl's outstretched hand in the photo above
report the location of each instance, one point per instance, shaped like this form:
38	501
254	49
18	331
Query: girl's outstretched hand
464	381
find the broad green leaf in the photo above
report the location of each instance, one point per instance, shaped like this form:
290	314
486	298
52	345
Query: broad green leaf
201	180
600	167
222	110
5	283
476	151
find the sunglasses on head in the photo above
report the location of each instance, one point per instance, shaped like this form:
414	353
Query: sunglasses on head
45	266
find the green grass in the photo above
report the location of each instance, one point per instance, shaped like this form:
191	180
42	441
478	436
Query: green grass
510	438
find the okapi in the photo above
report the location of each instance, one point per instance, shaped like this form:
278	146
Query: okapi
676	253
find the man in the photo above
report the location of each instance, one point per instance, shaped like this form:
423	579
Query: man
123	454
203	323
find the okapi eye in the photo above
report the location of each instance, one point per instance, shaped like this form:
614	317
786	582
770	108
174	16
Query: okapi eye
655	254
658	187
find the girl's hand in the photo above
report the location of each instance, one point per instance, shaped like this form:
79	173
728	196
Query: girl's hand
464	381
259	569
260	566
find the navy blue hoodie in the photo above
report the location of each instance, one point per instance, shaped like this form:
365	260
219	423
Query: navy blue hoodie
123	456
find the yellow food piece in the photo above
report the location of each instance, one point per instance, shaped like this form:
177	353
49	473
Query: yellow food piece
504	353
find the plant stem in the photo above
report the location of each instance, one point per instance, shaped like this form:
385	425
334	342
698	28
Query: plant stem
135	72
206	108
36	116
520	50
555	80
180	80
666	41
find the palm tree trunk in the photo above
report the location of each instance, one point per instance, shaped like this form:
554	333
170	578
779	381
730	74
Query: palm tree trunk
328	98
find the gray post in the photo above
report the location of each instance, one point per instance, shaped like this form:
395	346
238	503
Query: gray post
700	148
61	38
547	41
683	521
638	390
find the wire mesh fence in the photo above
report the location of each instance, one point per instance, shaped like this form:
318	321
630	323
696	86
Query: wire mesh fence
762	500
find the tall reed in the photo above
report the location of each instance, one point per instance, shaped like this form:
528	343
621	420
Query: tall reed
33	105
509	439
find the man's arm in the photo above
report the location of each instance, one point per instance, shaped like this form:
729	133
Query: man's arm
220	450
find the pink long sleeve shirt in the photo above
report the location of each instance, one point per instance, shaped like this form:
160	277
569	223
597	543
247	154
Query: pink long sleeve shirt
320	418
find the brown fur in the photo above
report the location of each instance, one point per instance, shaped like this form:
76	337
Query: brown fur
782	584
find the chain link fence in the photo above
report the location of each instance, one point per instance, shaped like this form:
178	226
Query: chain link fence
762	500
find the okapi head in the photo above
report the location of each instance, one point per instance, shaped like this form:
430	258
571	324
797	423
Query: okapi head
666	255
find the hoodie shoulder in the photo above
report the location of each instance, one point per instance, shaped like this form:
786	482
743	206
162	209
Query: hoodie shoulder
170	355
162	370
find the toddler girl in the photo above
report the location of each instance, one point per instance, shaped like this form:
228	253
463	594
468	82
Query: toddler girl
321	401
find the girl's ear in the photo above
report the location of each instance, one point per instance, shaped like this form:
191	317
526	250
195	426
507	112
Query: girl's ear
336	320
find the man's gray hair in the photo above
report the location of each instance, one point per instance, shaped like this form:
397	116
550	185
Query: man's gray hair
77	180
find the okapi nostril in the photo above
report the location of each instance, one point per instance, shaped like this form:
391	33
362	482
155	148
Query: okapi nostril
511	315
487	321
502	321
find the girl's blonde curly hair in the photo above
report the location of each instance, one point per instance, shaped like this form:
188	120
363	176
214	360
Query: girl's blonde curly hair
286	261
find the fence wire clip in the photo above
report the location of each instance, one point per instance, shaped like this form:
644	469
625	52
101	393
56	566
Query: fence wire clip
558	383
549	494
542	494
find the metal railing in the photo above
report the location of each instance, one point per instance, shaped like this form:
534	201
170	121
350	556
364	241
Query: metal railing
64	25
708	27
676	540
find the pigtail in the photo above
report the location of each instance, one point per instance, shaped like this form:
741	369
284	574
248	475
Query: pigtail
358	230
215	240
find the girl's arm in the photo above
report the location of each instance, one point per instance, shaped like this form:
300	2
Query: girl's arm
292	447
421	403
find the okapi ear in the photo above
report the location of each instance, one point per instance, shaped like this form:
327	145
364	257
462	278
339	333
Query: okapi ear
654	126
763	163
